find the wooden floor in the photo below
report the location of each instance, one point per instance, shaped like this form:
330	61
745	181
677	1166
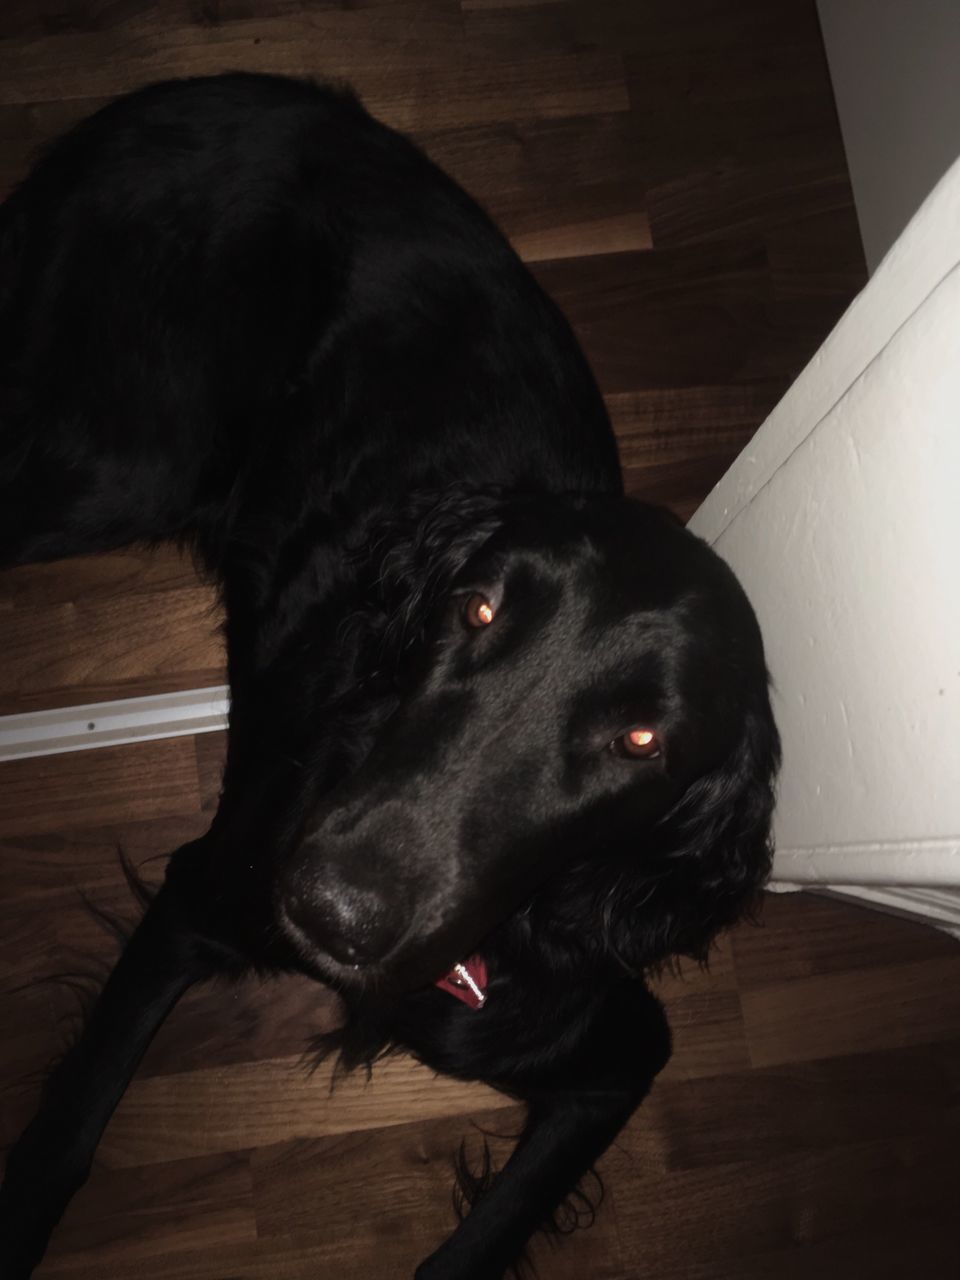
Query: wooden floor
806	1127
674	174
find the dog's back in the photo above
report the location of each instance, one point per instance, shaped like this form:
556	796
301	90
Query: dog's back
220	281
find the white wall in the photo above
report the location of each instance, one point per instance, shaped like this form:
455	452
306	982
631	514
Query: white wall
895	66
842	520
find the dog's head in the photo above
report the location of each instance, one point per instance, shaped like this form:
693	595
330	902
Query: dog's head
583	729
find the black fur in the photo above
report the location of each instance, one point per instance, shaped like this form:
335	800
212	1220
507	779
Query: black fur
239	313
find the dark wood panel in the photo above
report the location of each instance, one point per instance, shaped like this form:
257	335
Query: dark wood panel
132	1215
879	1251
110	626
110	640
35	864
806	935
385	58
110	784
714	30
386	1179
675	442
676	317
891	1005
795	1107
816	255
241	1105
737	198
132	571
719	1221
705	1018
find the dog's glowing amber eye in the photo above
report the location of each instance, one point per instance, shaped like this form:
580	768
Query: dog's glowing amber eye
478	611
638	744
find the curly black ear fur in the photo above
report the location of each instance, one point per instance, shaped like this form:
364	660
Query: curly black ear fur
710	856
413	555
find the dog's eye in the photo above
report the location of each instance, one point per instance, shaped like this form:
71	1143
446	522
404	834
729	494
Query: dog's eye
637	744
478	611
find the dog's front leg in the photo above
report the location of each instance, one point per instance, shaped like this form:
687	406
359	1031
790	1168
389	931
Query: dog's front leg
579	1097
52	1158
566	1133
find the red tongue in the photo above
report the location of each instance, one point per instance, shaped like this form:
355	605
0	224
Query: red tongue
467	981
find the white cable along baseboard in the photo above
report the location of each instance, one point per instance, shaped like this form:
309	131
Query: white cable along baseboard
111	724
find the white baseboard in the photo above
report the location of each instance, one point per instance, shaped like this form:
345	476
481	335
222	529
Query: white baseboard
111	724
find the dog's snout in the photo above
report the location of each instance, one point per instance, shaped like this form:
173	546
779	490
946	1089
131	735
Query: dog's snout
345	913
354	926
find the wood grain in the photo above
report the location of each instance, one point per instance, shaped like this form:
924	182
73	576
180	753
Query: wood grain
87	644
811	935
688	316
112	784
102	627
231	1108
880	1008
808	1118
165	1208
675	441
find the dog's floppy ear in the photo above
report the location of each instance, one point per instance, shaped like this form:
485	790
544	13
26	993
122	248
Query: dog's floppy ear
712	853
415	552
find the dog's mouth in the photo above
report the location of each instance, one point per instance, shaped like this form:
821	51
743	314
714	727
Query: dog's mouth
467	981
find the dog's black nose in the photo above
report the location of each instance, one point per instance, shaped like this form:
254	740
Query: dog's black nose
354	925
359	935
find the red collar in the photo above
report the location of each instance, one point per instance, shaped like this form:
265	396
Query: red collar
467	981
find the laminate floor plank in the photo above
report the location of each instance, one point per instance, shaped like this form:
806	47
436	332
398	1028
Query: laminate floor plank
82	788
805	935
705	1018
728	1214
213	1110
765	1113
680	317
114	642
407	81
839	1013
876	1252
131	1215
35	865
98	628
675	440
135	571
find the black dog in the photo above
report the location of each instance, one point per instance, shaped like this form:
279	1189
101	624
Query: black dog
497	732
